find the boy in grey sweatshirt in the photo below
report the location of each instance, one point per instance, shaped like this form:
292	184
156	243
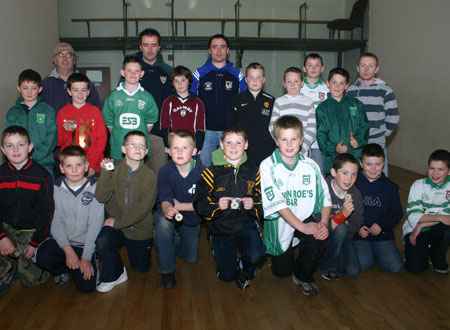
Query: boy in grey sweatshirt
77	221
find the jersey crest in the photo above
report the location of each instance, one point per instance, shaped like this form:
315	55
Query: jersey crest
228	85
269	193
40	118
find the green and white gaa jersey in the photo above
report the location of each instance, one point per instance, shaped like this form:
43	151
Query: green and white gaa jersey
425	197
302	189
317	92
126	111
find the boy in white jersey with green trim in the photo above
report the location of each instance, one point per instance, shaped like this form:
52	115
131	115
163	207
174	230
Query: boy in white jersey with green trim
316	89
426	231
295	194
129	107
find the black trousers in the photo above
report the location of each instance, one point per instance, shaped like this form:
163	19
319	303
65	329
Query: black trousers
305	264
432	243
51	257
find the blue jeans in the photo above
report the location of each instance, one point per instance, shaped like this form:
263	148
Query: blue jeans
225	252
173	239
51	257
210	144
139	253
331	257
384	253
349	259
316	155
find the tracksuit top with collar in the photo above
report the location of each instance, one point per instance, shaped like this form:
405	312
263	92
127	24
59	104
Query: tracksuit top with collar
156	81
222	179
54	92
40	122
253	116
26	199
216	88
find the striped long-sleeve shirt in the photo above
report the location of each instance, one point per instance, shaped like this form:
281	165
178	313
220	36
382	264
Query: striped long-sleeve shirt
381	108
301	107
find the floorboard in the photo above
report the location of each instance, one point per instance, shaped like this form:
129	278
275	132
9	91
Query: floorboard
372	300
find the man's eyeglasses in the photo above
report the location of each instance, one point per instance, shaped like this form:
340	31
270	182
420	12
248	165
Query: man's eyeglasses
62	55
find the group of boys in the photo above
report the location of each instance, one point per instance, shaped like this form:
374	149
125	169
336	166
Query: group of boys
251	179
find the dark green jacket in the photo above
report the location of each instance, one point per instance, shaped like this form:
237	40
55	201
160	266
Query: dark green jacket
335	121
40	123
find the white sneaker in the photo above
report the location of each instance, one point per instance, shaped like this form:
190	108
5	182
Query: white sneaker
108	286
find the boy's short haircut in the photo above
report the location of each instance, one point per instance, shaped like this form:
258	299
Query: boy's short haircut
72	151
182	133
372	150
181	70
31	76
286	122
340	71
77	77
440	155
131	59
293	69
13	130
255	66
218	36
313	56
368	55
234	130
135	133
150	33
342	159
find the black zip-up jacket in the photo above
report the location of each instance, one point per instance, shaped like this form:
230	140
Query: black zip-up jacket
253	116
26	199
225	180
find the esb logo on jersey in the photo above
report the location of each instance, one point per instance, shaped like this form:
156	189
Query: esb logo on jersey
129	121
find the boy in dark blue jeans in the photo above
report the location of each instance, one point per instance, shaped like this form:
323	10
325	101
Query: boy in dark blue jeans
375	242
229	197
177	226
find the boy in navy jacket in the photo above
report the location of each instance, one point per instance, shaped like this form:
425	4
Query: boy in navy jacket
177	226
382	212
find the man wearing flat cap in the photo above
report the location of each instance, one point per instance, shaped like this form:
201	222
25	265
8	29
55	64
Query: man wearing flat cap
54	89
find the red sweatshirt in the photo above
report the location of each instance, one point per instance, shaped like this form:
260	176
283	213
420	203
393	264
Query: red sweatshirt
90	133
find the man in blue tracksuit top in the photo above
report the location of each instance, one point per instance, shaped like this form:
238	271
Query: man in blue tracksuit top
216	83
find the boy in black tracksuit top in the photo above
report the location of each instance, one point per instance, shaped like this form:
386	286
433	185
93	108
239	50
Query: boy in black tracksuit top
251	110
26	206
229	197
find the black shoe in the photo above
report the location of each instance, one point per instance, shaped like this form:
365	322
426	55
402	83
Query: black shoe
168	280
241	281
5	281
438	271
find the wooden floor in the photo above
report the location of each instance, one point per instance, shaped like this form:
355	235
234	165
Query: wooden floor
373	300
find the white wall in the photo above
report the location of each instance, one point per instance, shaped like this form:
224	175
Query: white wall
411	39
281	9
30	31
275	62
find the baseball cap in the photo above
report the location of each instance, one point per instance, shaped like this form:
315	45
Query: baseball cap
63	46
